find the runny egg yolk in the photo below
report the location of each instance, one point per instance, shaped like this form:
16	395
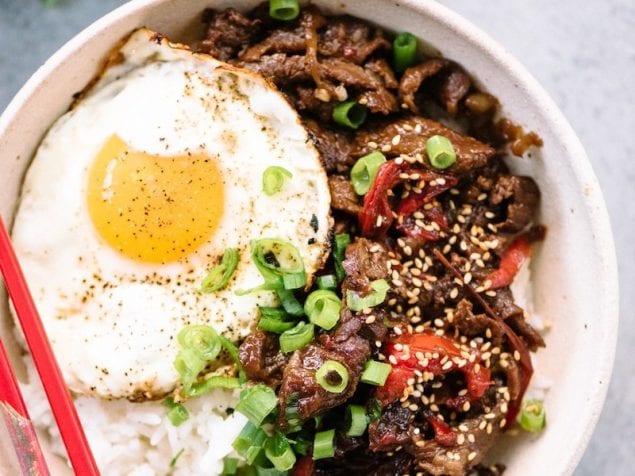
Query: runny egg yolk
151	208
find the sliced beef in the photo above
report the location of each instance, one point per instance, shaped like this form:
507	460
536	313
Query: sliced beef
343	196
382	69
261	358
472	325
334	147
300	389
228	33
364	462
279	41
504	306
351	39
413	132
280	68
379	101
413	77
521	196
454	86
450	85
392	429
365	262
440	460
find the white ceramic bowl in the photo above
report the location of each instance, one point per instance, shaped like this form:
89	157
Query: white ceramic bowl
574	273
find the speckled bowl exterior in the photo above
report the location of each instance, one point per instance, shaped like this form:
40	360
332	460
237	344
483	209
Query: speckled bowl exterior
574	271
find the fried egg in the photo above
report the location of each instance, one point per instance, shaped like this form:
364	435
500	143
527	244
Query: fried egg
135	194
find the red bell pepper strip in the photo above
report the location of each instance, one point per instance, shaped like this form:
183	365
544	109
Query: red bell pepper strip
303	467
511	262
478	379
377	216
443	434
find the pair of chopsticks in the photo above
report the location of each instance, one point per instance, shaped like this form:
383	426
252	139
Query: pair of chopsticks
57	393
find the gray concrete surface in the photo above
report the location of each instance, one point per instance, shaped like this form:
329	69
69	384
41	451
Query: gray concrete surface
583	52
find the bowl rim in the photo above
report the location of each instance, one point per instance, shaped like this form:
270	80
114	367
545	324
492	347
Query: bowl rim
594	206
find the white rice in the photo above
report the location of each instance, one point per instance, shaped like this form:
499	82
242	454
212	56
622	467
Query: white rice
138	439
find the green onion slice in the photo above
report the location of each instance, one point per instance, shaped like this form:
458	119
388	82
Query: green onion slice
249	442
290	303
273	179
189	363
276	258
274	319
375	373
374	410
341	241
332	376
350	114
278	451
356	420
364	171
324	444
215	381
327	281
230	466
177	413
203	339
532	416
296	337
323	308
358	303
232	350
440	152
404	51
257	402
220	275
284	9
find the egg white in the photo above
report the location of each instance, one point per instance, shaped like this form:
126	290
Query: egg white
112	320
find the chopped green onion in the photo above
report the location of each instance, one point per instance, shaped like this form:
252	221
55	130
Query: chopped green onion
375	373
302	444
189	363
284	9
290	303
273	179
323	308
257	402
274	319
440	152
327	281
294	281
220	275
374	410
341	241
279	452
296	337
230	466
324	444
203	339
262	471
358	303
232	350
364	171
249	441
532	416
176	457
332	376
215	381
177	413
276	258
277	326
356	420
404	51
350	114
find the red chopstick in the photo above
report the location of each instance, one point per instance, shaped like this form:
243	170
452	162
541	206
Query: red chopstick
57	393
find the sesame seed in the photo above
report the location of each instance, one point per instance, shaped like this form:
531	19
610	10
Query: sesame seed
466	407
503	423
471	456
438	322
392	359
516	355
481	197
448	365
372	145
489	428
454	293
396	139
460	439
467	278
386	148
